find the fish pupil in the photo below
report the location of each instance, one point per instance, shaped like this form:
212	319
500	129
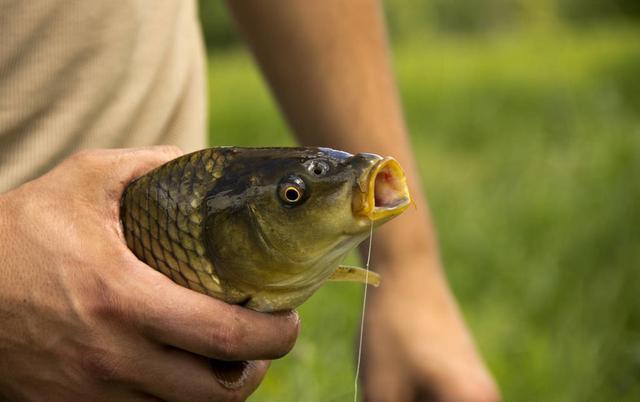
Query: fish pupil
292	194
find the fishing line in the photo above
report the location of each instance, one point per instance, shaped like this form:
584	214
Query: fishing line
364	307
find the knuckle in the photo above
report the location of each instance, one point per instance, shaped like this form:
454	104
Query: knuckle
106	304
84	156
89	160
171	150
100	365
225	341
160	152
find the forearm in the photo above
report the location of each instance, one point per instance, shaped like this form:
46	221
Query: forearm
328	65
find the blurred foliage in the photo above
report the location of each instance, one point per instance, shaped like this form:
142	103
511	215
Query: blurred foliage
408	18
217	26
596	10
527	136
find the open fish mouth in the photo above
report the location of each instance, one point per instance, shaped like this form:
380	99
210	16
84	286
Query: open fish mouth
386	193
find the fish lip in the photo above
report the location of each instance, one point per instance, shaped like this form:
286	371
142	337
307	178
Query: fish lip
385	193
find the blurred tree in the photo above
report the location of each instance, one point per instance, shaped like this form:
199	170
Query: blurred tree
539	15
406	18
589	11
411	18
475	16
217	25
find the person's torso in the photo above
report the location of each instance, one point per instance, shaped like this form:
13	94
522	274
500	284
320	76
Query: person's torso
80	74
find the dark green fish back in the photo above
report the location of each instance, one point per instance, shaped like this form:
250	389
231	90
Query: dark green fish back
163	218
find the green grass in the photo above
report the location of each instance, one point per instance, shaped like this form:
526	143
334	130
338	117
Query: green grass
529	147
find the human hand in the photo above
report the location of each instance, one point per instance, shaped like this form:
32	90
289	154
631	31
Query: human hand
81	319
416	347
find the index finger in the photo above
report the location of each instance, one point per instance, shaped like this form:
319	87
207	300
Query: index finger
183	318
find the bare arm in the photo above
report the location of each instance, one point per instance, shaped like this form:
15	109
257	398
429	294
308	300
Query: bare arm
328	65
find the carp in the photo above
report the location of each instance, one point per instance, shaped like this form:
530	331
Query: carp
261	227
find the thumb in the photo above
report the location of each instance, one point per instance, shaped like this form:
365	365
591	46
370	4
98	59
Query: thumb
109	170
134	162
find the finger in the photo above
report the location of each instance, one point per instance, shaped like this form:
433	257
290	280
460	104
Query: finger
143	397
173	375
177	316
113	393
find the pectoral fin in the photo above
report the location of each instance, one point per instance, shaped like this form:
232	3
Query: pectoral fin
347	273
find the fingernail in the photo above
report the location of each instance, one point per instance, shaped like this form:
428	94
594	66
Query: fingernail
231	375
297	319
296	316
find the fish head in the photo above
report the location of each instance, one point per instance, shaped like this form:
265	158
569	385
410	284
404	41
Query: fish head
280	220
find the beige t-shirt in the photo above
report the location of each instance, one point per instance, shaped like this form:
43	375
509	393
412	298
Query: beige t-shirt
80	74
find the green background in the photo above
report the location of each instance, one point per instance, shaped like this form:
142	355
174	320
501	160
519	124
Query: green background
525	120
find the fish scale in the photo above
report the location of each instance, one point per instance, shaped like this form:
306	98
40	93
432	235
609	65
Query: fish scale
162	218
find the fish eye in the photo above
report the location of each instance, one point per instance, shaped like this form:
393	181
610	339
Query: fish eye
318	167
291	190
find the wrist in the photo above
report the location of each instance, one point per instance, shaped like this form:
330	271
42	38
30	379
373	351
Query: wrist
410	237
